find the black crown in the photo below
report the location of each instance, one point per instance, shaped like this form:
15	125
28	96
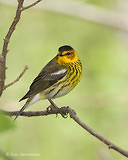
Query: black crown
65	48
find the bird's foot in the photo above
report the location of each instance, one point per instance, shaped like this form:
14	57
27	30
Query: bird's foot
63	111
51	108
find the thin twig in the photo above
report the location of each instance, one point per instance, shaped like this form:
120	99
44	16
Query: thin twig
17	79
5	50
97	135
73	115
31	5
5	46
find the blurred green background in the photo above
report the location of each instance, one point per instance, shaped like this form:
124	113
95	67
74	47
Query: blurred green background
100	99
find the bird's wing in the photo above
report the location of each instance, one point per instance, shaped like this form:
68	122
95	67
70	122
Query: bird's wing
48	76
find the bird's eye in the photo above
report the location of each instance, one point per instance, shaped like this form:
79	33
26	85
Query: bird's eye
68	53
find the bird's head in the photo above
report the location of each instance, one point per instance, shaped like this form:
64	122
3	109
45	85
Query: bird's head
66	54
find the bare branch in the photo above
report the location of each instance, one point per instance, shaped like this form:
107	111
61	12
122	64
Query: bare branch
111	18
72	113
6	42
17	79
31	5
5	46
97	135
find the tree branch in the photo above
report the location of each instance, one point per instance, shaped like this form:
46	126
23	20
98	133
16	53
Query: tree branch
5	46
17	79
31	5
115	19
65	111
5	50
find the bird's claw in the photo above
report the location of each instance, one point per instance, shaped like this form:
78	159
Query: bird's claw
63	111
50	108
64	115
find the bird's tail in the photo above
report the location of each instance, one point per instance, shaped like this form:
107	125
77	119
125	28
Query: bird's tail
21	111
29	102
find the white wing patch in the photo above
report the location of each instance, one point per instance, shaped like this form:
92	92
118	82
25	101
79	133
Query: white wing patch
59	72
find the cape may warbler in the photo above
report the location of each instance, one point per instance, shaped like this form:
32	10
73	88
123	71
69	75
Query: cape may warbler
56	79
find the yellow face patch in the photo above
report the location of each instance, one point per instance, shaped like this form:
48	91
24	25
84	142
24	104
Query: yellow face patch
71	56
67	57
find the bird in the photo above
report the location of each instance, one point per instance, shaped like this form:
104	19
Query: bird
56	79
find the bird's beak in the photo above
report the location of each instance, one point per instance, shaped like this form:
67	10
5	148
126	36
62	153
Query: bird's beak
59	54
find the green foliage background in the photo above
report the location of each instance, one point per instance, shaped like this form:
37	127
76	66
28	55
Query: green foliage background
100	99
